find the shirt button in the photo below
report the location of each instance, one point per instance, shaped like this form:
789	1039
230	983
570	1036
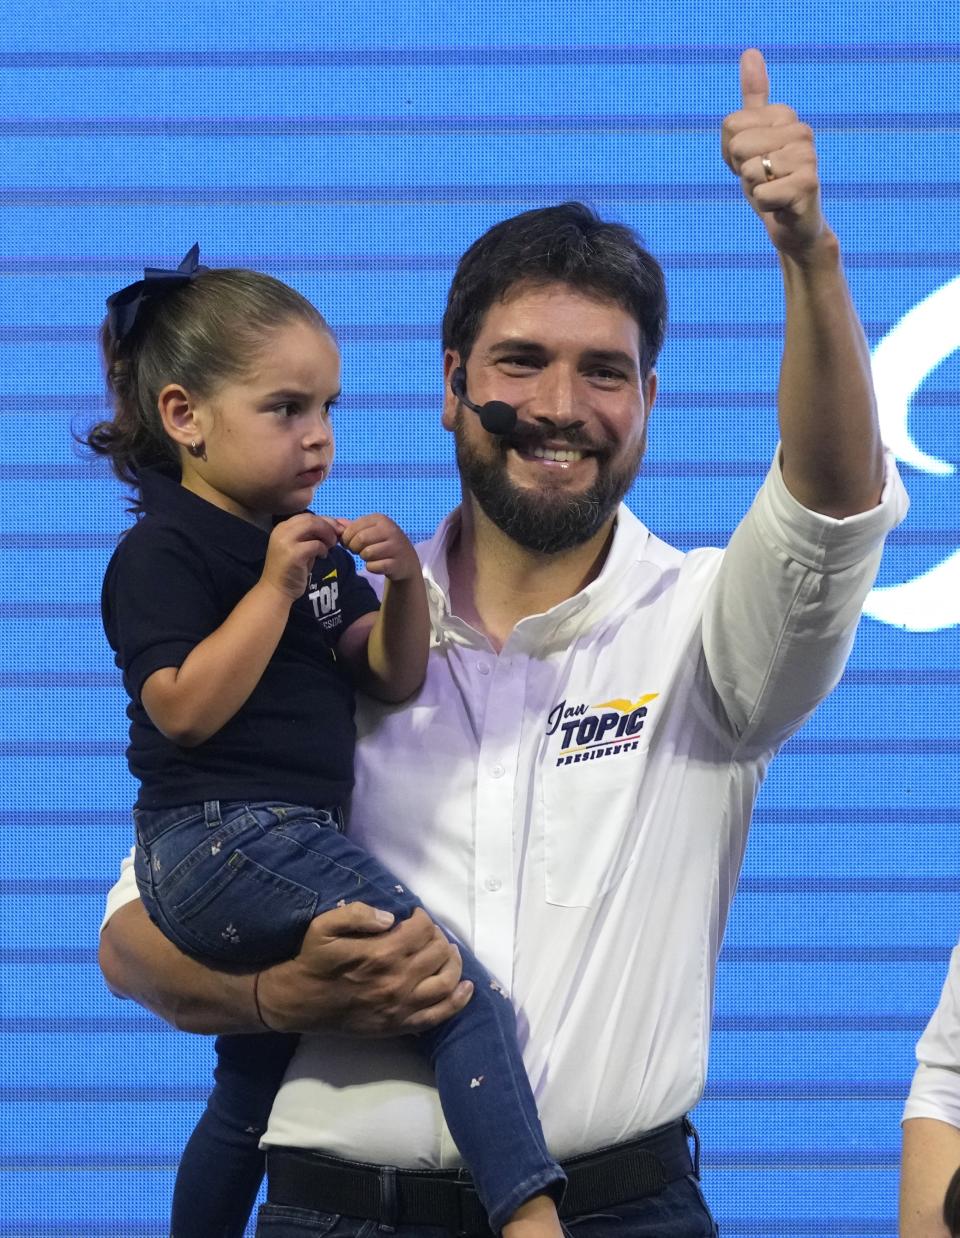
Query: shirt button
496	771
493	884
483	668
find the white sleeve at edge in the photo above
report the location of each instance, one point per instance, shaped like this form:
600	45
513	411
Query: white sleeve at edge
935	1091
123	891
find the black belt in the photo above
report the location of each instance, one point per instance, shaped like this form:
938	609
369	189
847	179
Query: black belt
446	1198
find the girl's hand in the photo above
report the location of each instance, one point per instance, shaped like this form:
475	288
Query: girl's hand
293	546
382	545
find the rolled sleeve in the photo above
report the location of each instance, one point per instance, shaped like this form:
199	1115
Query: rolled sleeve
785	604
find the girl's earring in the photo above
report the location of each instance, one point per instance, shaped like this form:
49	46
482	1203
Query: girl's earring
197	450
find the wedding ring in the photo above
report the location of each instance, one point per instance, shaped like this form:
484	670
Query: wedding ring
767	166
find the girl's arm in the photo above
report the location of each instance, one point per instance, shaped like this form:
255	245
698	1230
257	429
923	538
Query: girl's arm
387	651
191	702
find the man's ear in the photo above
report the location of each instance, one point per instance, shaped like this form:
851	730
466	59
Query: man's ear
451	359
178	414
650	391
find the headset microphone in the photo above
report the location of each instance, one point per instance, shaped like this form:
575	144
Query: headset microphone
496	417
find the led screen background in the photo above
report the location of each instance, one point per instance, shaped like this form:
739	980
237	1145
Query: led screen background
355	151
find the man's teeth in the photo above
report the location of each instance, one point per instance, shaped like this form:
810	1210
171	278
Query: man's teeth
562	457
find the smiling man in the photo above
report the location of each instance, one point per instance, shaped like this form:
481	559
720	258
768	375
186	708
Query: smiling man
577	774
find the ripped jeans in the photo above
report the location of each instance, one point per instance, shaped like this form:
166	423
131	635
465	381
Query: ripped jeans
237	884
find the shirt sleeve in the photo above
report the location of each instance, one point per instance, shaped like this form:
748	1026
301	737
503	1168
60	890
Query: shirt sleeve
157	602
124	890
783	610
935	1091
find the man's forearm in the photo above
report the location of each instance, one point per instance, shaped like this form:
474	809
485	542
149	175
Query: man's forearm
138	962
832	453
931	1154
357	973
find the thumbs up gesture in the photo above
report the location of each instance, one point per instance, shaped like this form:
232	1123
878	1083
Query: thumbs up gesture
772	152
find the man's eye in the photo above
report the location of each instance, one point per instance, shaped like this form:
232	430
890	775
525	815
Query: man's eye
287	410
519	363
603	374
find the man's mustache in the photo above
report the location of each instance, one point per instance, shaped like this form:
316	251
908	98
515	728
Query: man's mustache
526	435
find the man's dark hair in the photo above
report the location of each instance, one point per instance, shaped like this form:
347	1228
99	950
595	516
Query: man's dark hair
567	244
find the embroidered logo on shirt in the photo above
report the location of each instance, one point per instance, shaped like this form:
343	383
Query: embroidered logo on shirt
603	730
324	597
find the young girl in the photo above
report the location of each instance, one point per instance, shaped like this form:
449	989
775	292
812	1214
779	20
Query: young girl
242	627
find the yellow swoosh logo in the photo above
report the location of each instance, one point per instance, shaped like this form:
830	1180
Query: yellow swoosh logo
624	706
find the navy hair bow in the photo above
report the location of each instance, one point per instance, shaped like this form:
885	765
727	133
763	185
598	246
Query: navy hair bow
123	307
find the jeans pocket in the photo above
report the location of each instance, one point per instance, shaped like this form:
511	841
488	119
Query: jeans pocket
277	1221
244	914
711	1230
152	825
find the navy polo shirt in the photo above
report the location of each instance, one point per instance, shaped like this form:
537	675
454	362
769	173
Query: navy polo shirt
173	579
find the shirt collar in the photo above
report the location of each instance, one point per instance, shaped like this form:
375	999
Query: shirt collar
167	500
567	618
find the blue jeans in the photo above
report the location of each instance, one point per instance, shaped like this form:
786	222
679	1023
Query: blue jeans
237	884
679	1211
222	1165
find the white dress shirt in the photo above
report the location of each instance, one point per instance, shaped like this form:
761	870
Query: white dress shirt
935	1091
576	809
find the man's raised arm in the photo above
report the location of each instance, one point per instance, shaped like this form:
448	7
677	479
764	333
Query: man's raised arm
354	974
832	458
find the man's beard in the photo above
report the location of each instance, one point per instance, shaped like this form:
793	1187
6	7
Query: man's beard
543	520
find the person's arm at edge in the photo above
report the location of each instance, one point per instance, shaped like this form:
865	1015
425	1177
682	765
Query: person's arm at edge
929	1159
832	455
351	976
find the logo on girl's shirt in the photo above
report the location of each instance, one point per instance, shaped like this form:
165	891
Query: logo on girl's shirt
324	598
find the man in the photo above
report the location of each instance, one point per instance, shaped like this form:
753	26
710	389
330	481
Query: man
578	771
930	1168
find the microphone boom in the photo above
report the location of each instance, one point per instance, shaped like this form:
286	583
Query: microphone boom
496	416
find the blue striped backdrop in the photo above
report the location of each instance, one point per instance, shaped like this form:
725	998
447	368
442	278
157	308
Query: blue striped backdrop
354	151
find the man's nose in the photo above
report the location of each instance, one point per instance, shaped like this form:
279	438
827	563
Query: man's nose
556	397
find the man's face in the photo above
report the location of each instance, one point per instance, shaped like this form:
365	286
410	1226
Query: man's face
570	365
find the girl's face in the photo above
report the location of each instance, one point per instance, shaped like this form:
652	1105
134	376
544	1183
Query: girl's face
267	437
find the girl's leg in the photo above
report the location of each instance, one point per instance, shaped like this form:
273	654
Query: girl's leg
222	1165
484	1090
488	1102
287	864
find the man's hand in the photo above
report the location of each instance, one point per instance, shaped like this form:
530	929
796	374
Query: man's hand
354	977
772	152
354	974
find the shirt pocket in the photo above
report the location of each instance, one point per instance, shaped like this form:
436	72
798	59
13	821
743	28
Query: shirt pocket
591	820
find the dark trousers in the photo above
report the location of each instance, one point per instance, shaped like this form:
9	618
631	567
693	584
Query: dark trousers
679	1211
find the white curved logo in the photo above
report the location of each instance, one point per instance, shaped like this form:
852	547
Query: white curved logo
922	338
